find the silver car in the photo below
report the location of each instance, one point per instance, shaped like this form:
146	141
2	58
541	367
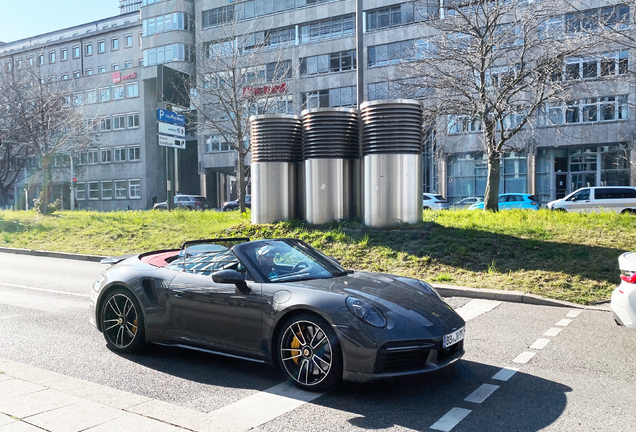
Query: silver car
434	202
619	199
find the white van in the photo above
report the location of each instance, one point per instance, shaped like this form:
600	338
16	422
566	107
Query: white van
619	199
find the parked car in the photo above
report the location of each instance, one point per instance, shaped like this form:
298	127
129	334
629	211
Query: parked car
280	302
623	302
509	201
434	202
467	202
190	202
234	205
619	199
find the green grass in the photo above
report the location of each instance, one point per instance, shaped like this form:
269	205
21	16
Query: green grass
558	255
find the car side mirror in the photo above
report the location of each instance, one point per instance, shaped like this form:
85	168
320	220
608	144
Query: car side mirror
230	277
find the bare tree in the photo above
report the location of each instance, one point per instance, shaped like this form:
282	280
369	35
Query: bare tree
241	73
490	66
42	118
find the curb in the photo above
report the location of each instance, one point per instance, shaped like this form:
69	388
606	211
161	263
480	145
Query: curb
443	290
65	255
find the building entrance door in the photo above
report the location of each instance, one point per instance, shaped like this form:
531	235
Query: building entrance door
580	180
561	185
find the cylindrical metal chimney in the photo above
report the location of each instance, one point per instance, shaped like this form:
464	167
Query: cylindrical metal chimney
276	147
330	152
392	161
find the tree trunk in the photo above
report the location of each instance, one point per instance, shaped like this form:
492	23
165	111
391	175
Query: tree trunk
240	178
491	197
46	181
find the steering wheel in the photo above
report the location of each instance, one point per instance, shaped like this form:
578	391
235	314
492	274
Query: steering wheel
299	266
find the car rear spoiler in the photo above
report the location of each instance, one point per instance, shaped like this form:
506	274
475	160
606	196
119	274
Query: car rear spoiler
115	259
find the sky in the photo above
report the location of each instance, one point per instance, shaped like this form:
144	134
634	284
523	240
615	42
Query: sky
21	19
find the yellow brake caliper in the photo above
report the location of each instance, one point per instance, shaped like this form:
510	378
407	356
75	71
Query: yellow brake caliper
295	343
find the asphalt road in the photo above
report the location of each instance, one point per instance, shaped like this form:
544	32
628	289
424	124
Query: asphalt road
582	380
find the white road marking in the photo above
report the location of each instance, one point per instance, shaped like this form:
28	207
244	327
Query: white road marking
450	419
505	374
573	314
552	332
524	357
45	290
10	316
474	308
482	393
260	408
563	322
540	344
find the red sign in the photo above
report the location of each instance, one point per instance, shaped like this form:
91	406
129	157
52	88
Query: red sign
256	91
118	77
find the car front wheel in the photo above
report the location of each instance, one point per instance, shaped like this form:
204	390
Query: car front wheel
122	322
309	353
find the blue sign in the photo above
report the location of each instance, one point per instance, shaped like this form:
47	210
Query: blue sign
170	117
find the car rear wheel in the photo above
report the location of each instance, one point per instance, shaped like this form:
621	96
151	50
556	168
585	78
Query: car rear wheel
309	353
122	322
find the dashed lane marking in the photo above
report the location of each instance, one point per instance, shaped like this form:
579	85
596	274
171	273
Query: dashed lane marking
505	374
482	393
9	316
44	290
450	419
563	322
540	344
573	314
552	332
524	357
474	308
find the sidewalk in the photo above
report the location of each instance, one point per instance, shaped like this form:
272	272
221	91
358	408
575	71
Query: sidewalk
36	400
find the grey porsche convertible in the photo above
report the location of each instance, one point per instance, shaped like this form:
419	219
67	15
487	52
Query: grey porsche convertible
280	302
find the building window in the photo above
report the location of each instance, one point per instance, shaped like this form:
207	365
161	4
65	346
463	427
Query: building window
133	120
328	63
216	143
77	74
114	44
101	69
93	190
118	92
107	190
335	97
389	16
132	90
93	157
120	189
64	77
91	97
88	49
590	110
328	29
168	53
105	124
393	53
134	188
52	57
18	64
106	156
29	61
101	47
591	19
78	98
128	40
134	154
104	95
63	54
218	16
128	64
88	72
166	23
114	67
76	52
118	122
41	59
80	191
120	154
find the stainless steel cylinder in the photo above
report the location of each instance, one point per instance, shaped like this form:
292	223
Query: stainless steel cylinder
392	189
276	155
330	152
392	137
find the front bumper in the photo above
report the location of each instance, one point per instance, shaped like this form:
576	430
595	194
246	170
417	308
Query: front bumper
623	305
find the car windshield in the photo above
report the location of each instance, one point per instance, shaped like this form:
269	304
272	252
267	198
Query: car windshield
288	260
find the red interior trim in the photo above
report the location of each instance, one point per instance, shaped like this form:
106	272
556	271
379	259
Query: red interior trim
159	260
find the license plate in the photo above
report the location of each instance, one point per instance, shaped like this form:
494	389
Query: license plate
454	337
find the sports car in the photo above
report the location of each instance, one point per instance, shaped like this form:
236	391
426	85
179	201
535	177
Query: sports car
279	302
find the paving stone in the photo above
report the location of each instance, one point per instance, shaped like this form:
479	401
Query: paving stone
19	426
12	388
36	402
137	423
173	414
6	419
75	417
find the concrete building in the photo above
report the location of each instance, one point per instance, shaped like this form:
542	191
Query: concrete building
115	62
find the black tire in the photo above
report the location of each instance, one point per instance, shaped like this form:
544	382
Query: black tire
309	364
426	208
628	212
122	322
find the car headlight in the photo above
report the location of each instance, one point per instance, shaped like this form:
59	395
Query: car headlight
365	312
430	290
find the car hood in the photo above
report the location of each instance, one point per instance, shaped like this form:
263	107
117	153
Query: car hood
401	298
